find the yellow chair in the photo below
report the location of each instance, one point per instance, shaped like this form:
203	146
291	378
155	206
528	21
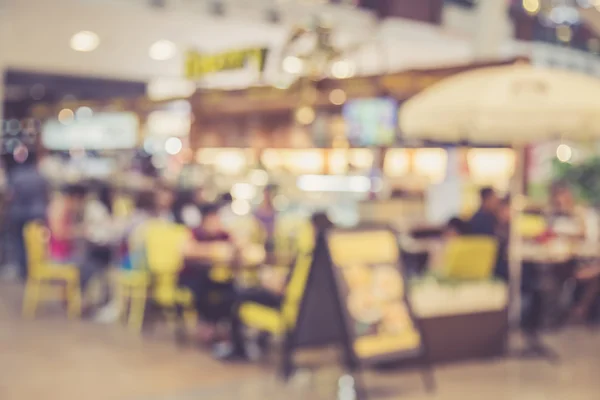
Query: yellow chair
275	321
531	226
43	274
470	257
163	243
123	206
133	285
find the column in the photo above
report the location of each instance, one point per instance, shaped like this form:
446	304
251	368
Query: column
493	28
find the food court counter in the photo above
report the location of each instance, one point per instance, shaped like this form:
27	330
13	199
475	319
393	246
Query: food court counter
461	321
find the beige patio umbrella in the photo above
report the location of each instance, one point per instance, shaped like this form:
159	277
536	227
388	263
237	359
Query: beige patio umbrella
508	105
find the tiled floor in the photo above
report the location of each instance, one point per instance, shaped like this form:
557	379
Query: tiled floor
52	359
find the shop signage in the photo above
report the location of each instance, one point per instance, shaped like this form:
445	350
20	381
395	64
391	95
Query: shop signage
199	65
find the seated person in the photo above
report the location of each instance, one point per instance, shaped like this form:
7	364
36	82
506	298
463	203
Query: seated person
144	211
503	235
213	300
270	294
484	221
588	279
65	222
454	228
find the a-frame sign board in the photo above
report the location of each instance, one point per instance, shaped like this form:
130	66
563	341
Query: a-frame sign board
355	298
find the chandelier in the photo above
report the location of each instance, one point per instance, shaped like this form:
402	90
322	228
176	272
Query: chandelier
309	55
310	52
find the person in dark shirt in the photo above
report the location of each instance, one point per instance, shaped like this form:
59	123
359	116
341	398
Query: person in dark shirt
503	235
28	193
213	299
485	220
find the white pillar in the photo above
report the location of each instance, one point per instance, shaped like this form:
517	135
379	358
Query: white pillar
493	28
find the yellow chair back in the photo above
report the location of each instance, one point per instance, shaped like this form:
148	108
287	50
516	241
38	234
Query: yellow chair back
163	245
36	238
300	272
163	242
531	225
470	257
123	206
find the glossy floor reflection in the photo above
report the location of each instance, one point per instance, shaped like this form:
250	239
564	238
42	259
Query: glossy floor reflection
51	359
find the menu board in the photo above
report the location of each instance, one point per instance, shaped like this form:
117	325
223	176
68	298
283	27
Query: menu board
372	288
371	122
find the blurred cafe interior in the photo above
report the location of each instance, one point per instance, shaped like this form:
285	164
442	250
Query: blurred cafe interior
258	179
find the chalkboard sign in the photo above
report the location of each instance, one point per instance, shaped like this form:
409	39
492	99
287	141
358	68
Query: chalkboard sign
355	298
371	286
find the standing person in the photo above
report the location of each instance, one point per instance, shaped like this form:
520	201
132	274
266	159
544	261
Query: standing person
266	215
485	220
565	216
28	201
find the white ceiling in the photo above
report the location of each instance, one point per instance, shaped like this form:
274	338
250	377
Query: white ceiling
34	35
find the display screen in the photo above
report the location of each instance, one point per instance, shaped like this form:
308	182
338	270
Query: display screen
371	122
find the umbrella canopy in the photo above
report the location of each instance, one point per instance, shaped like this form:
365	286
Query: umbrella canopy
514	104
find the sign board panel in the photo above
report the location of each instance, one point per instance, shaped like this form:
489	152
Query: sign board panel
103	131
371	286
198	65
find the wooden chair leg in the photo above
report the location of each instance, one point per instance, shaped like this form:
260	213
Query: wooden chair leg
31	298
74	299
137	309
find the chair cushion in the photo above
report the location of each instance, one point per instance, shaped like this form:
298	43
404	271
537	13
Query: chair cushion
52	271
261	317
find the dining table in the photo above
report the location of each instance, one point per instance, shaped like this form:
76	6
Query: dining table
549	269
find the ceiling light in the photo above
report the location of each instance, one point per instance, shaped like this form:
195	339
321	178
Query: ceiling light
85	41
337	97
173	146
564	153
84	113
532	6
305	115
66	116
292	65
162	50
342	69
